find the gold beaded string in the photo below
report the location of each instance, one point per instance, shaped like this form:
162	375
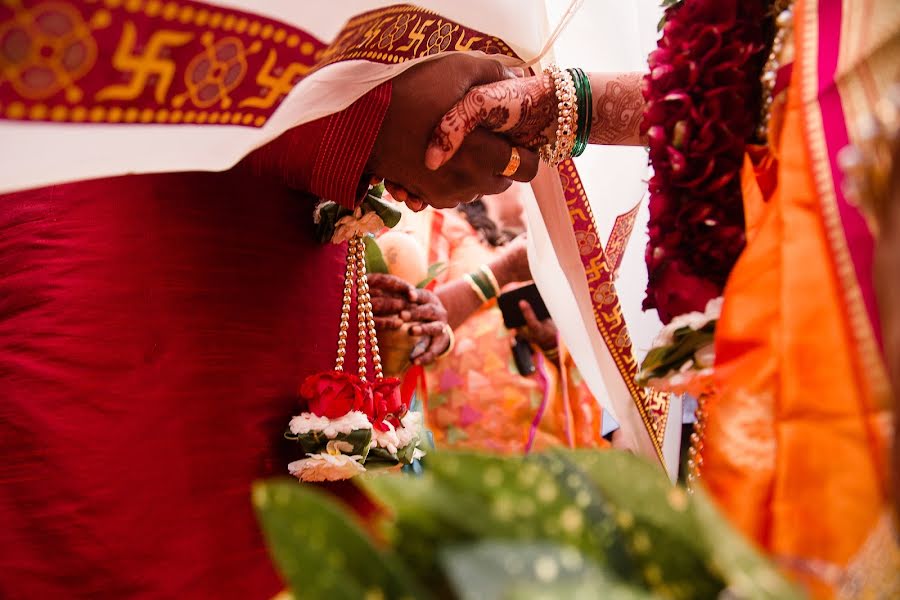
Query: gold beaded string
366	307
365	317
345	308
784	21
695	452
356	249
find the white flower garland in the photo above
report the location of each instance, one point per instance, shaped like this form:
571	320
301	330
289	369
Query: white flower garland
331	428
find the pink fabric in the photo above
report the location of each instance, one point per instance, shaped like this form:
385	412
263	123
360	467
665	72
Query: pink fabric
153	333
860	243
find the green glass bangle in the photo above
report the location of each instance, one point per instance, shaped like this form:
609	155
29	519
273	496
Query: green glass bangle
483	284
588	108
579	100
579	92
585	110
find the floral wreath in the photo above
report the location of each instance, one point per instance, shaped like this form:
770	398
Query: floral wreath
703	100
350	421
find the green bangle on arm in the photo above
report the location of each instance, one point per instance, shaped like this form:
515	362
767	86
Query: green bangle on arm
481	285
585	110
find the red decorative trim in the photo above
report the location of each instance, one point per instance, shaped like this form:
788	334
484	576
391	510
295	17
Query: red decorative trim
172	62
619	236
653	407
146	61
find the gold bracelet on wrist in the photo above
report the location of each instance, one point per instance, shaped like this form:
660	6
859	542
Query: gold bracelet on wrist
567	119
452	343
552	353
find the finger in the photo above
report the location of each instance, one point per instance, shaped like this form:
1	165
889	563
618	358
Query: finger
529	162
424	296
425	312
419	348
387	305
391	322
416	204
481	158
462	118
389	283
439	344
531	320
397	191
434	328
486	71
495	107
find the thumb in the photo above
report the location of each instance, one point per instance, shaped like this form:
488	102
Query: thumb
481	107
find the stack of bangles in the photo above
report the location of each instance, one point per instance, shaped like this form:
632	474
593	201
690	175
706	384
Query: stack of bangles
483	283
575	107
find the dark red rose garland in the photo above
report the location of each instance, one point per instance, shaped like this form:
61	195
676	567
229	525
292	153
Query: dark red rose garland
703	101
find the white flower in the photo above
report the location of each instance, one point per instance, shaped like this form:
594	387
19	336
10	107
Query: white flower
326	467
356	224
714	308
336	447
331	428
694	382
694	320
705	356
389	440
395	438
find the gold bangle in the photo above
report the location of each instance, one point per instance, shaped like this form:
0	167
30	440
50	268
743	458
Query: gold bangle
452	343
551	354
567	119
475	287
486	270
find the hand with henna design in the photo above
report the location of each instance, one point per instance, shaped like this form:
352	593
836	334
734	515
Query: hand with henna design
419	97
525	111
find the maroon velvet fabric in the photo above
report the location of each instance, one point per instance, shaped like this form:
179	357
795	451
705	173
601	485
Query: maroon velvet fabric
153	334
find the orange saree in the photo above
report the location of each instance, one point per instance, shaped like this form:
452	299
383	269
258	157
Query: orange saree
796	436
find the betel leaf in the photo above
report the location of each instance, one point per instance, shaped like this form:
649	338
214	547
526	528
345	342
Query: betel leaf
329	213
746	572
315	442
433	271
388	214
655	359
375	262
321	551
502	570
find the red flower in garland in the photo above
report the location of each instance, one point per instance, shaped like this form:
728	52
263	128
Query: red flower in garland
703	99
333	394
388	403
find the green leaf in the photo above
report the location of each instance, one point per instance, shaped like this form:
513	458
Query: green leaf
329	213
405	454
388	214
663	540
655	358
315	442
433	271
747	573
375	262
321	551
686	341
501	570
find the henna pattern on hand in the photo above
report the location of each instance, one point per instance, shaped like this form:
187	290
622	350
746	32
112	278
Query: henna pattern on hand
618	111
537	113
523	109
